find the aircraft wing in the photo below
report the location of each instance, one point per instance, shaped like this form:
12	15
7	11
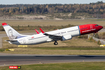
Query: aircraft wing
54	37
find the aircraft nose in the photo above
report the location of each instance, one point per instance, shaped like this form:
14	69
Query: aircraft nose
101	27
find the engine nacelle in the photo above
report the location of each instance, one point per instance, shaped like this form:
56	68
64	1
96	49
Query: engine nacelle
66	37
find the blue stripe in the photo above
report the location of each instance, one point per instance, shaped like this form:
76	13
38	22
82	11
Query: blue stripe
20	37
79	30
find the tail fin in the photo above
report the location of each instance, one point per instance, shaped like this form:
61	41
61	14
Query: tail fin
11	33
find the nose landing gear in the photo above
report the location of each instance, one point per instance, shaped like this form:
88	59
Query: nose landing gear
55	43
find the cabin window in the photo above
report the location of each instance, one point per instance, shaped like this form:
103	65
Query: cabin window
96	25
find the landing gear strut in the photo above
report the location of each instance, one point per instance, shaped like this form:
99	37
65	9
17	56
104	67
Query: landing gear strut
55	43
94	34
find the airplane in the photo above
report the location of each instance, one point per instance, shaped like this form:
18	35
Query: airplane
43	37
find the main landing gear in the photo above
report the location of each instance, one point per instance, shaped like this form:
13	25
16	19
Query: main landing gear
55	43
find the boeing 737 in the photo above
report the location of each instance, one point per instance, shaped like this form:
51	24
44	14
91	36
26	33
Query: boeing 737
43	37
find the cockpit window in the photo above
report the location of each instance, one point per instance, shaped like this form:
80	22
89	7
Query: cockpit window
96	25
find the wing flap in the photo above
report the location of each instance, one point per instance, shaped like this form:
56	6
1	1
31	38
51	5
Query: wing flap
54	37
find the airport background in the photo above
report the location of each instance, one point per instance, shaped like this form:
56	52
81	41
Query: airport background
25	18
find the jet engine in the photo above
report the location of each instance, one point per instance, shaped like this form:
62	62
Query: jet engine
66	37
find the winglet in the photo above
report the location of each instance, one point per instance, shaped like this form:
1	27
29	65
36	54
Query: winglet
36	31
3	24
41	30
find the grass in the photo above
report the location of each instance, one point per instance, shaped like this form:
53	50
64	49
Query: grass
70	48
101	35
45	24
73	42
25	28
51	22
41	51
63	66
59	51
1	50
76	46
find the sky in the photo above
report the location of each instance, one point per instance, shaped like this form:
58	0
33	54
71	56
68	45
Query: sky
48	1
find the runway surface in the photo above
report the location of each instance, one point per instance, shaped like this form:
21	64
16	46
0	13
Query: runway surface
6	60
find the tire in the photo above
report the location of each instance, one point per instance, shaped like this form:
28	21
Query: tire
55	43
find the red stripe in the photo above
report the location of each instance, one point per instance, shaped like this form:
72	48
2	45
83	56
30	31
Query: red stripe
3	24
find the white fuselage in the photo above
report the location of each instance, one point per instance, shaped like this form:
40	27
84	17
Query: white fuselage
41	38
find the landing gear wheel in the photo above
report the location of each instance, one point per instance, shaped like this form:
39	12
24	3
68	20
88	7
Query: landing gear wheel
55	43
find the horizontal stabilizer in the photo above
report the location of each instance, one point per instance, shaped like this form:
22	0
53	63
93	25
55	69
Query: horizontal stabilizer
11	40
